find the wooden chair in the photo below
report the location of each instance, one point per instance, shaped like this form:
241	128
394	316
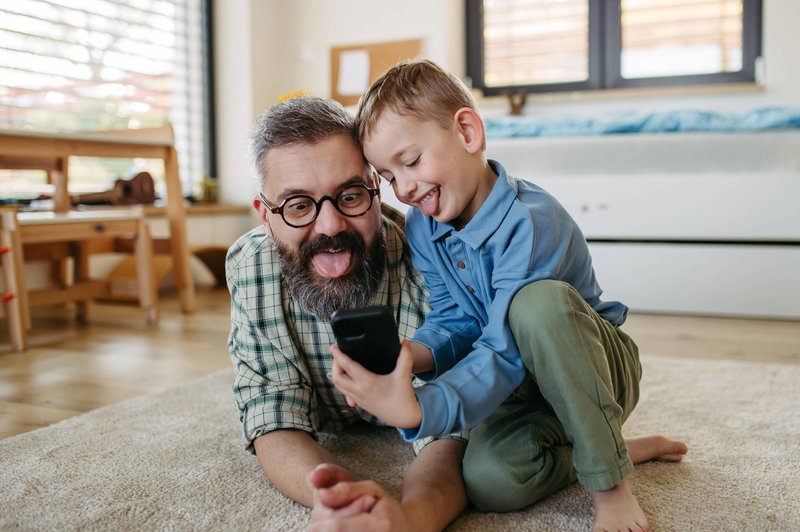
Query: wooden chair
56	237
14	297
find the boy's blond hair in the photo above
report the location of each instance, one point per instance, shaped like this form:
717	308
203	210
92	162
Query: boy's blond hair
419	88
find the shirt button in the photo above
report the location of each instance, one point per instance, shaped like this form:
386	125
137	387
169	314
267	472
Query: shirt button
471	290
461	265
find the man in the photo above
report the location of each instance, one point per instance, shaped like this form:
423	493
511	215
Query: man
324	245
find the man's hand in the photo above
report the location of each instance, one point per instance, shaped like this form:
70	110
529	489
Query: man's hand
380	511
388	397
323	480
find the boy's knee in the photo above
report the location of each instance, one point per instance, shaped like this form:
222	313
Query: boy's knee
542	306
541	316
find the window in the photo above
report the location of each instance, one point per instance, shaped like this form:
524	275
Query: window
68	65
565	45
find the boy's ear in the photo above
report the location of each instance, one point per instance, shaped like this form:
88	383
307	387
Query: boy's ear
469	125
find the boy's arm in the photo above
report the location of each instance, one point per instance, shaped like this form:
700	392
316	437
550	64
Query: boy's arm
466	394
423	358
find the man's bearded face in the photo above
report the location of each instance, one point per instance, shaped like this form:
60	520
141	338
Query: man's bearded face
323	295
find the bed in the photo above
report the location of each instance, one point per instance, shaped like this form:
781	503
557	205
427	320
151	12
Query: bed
684	212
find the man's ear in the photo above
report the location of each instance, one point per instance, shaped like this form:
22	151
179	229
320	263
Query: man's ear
469	125
262	211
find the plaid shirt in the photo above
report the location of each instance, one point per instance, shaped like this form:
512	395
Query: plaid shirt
281	353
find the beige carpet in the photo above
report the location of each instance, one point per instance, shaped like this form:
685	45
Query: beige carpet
173	461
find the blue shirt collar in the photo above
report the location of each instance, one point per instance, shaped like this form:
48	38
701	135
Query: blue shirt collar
488	217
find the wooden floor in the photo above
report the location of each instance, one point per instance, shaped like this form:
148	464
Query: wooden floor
71	369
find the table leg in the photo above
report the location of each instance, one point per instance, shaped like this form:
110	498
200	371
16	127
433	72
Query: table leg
145	274
179	243
81	275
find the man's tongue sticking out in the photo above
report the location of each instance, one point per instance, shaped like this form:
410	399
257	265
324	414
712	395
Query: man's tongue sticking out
332	263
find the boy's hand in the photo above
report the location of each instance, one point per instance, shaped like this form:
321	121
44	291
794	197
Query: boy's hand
388	397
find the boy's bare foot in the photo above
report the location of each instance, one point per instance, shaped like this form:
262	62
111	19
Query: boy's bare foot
618	510
655	448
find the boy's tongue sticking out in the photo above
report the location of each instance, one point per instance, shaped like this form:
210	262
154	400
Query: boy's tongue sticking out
430	202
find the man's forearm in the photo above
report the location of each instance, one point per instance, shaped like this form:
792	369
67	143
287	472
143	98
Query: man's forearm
433	490
287	457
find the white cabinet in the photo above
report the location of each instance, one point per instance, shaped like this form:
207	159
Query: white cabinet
683	223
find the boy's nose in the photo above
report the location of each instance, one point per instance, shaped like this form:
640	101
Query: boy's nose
404	188
329	221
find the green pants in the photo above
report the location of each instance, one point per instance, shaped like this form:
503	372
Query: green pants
564	422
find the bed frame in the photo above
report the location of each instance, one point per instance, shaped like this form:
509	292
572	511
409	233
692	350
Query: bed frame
699	223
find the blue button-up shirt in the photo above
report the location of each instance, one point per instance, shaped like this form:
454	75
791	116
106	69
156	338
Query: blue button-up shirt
521	234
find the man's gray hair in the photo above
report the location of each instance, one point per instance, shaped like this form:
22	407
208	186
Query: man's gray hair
306	120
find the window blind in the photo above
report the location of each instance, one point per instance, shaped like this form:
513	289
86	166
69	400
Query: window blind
531	42
68	65
680	37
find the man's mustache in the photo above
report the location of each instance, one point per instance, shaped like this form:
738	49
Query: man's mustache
322	243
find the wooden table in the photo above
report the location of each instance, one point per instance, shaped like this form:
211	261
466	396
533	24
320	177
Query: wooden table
51	152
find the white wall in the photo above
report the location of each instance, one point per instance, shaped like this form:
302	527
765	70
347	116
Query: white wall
265	48
233	84
298	58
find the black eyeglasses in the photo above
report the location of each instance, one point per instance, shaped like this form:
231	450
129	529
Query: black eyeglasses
301	210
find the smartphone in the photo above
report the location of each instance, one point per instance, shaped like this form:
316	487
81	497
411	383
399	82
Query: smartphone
369	336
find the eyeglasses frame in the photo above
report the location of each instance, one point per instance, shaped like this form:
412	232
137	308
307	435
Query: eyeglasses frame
278	209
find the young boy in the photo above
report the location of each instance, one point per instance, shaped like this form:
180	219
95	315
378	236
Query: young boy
518	343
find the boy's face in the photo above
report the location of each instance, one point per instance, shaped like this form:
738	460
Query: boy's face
316	170
438	170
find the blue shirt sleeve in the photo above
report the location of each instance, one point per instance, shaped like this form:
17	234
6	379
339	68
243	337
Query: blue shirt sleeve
469	392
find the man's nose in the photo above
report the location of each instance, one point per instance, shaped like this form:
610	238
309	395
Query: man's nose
329	221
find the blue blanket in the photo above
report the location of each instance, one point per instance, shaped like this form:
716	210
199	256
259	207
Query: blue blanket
761	119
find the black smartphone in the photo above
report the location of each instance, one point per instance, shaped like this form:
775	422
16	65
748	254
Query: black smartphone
369	336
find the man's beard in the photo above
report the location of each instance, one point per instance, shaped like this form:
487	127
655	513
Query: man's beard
323	295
